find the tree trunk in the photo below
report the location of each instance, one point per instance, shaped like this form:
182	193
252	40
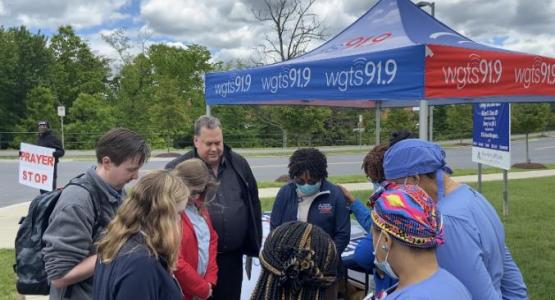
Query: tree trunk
528	160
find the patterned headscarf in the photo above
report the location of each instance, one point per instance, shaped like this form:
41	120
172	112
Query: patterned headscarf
410	215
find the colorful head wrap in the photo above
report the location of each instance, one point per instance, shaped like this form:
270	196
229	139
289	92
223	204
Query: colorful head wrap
410	215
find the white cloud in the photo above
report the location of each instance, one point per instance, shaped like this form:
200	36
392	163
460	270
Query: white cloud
53	13
228	27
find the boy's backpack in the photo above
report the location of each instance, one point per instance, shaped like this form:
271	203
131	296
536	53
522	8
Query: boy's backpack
29	265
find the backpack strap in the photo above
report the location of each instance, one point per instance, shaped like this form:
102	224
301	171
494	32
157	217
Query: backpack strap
96	198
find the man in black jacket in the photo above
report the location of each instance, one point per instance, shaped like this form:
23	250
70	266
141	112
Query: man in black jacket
47	139
235	209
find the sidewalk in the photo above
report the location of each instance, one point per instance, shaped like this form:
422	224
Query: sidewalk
72	154
10	215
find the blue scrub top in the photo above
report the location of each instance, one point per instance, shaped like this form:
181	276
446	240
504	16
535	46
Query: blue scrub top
474	250
440	286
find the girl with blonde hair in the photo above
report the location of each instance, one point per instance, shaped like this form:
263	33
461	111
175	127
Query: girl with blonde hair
139	249
197	270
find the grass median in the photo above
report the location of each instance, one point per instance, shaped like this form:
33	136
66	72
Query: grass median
362	178
528	229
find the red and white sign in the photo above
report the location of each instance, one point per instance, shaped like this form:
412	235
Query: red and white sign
486	73
36	166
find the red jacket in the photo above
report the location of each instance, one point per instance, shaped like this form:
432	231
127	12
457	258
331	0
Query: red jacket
192	284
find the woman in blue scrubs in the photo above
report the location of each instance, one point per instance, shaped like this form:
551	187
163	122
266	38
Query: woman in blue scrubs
406	229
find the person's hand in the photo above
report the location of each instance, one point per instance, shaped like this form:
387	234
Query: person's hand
348	196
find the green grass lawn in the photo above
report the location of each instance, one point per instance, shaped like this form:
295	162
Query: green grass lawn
529	228
362	178
529	232
7	277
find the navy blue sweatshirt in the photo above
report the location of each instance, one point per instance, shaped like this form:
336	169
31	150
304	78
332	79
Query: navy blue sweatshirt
135	274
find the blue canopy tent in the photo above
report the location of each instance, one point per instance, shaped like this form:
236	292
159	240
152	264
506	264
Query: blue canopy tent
394	55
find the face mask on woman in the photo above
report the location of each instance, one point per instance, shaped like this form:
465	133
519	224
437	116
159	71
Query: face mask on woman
308	189
384	265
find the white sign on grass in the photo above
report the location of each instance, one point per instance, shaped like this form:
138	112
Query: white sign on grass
36	166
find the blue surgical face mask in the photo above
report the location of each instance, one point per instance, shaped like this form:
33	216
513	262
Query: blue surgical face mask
308	189
384	265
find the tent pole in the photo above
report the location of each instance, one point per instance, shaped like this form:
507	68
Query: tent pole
378	121
423	120
431	124
208	110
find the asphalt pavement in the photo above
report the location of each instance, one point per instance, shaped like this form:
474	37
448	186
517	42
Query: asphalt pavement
265	167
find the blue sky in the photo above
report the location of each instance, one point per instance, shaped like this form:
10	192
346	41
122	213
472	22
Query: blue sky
230	31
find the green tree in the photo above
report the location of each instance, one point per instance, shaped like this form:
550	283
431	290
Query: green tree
163	75
299	122
76	69
527	118
459	121
241	126
40	105
440	126
24	63
398	119
169	111
89	117
11	108
134	95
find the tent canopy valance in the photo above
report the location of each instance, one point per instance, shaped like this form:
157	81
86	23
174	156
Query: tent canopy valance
396	54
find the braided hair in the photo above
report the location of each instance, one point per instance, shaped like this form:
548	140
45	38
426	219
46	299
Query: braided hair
299	261
309	160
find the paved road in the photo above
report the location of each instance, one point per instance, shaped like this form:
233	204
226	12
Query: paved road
264	168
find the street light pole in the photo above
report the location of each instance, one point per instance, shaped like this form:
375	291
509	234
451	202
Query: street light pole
430	108
431	5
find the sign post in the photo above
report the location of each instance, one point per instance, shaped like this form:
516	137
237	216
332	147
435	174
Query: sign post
491	141
62	114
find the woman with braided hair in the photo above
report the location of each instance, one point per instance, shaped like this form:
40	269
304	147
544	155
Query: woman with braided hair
299	261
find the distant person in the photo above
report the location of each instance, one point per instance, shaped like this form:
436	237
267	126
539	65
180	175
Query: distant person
310	198
47	139
406	230
299	261
372	166
235	210
475	251
80	216
137	254
196	269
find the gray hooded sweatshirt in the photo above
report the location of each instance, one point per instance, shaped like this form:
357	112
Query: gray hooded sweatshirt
69	237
